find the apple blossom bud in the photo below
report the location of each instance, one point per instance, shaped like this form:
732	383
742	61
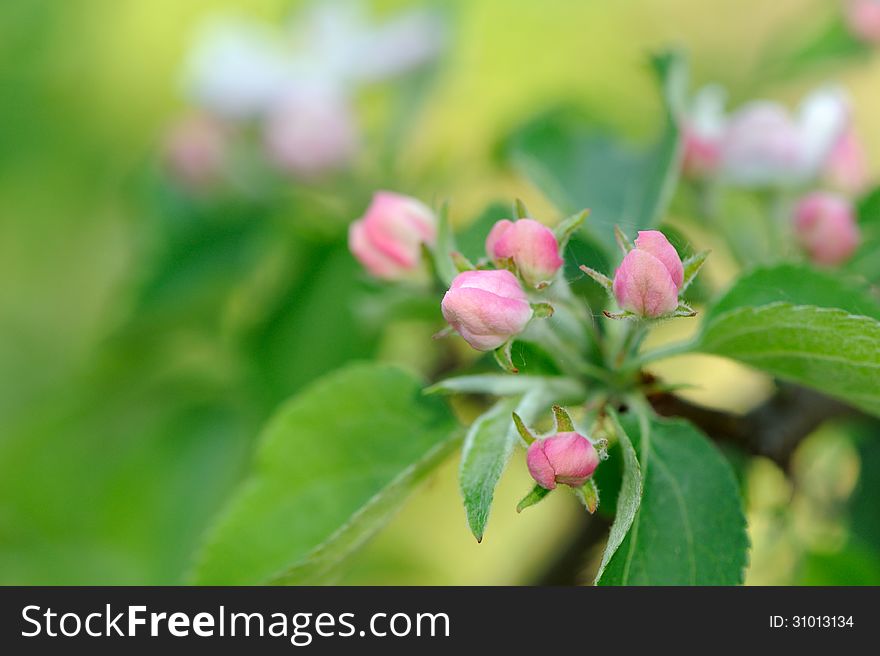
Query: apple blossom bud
486	308
311	132
568	458
196	150
825	226
388	239
863	18
847	166
648	279
531	245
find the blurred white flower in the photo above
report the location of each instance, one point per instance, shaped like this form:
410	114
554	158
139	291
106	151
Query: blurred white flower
764	145
298	81
339	41
237	68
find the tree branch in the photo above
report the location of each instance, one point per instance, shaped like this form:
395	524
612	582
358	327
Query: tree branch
773	429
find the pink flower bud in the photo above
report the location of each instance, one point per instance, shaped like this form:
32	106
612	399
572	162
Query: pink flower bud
567	458
703	133
531	245
825	226
196	150
311	132
486	307
648	279
387	239
847	166
863	17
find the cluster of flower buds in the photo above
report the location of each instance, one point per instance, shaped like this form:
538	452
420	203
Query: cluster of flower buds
564	457
863	18
294	83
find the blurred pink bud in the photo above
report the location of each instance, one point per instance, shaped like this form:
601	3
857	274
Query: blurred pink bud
311	132
387	239
648	279
825	226
567	458
702	155
531	245
703	132
863	18
486	307
847	166
196	149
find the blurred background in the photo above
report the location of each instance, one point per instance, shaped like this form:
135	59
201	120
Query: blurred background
150	322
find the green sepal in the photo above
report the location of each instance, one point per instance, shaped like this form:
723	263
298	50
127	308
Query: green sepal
588	495
563	420
504	357
537	494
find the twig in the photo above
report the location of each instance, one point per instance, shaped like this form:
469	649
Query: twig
773	429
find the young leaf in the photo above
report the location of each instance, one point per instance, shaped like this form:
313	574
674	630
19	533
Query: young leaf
692	266
824	348
445	247
629	497
537	494
690	528
319	464
504	385
520	211
486	450
567	227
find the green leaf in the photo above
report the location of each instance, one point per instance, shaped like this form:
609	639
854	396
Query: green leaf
331	465
797	284
579	164
692	266
866	261
628	498
443	263
487	448
567	227
505	385
827	349
322	562
690	528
